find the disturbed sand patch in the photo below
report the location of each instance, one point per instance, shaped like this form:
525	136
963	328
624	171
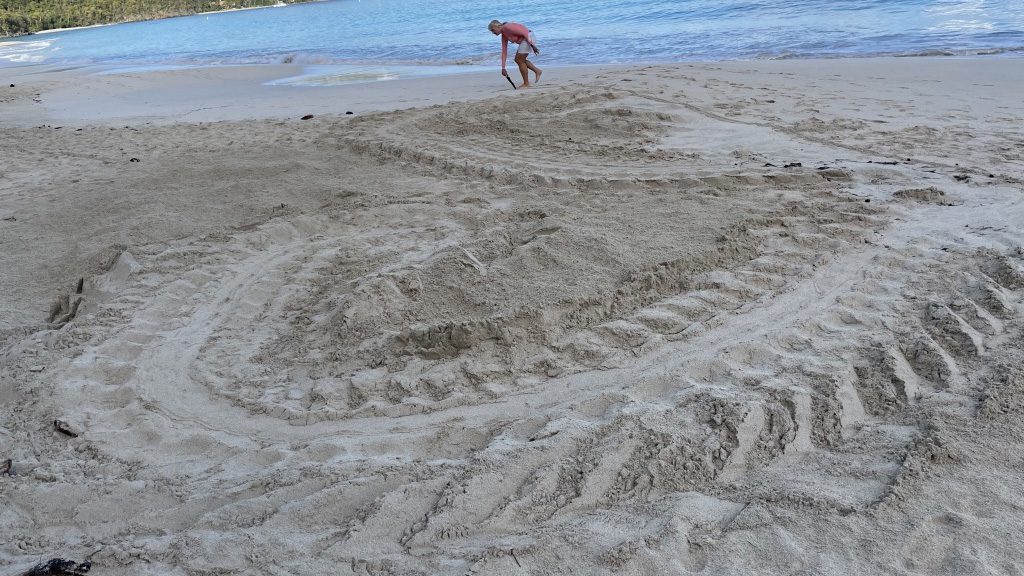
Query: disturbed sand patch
614	362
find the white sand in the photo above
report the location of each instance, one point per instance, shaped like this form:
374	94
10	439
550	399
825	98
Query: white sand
597	327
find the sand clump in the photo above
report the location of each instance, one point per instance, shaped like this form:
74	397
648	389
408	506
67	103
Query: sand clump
929	194
606	338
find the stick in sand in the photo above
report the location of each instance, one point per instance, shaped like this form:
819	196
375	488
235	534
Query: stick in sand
511	82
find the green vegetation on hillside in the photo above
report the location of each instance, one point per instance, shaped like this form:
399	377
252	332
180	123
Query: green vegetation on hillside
25	16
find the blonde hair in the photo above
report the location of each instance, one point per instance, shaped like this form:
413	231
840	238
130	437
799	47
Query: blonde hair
494	23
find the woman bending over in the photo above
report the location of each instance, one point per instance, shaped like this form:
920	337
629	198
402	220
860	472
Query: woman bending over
521	35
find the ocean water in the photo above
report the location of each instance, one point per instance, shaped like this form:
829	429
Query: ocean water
360	40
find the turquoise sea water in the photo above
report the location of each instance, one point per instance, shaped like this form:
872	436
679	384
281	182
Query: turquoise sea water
380	36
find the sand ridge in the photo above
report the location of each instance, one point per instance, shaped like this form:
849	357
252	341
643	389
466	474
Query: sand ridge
599	327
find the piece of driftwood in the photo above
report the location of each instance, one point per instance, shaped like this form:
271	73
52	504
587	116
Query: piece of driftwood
59	567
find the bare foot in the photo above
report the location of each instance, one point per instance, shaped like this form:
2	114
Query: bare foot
525	85
537	74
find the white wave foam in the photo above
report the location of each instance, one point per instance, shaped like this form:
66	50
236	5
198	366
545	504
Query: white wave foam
22	58
24	52
23	45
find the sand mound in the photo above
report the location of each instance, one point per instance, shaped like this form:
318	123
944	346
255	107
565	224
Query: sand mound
929	194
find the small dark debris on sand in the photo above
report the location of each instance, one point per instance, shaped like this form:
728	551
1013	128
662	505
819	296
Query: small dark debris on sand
65	428
349	112
134	160
59	567
307	117
5	467
793	165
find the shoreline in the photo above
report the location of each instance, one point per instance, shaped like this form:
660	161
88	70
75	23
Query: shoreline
974	53
215	92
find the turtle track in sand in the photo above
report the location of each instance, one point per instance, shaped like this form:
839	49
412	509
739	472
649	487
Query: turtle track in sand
794	362
361	390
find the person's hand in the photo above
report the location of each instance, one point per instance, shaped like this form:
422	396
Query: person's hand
504	72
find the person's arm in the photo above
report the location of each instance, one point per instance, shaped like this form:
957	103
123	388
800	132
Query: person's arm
504	54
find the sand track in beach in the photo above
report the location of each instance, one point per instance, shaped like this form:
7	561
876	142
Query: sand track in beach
641	366
766	397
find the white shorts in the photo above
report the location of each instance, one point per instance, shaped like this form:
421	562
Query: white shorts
524	46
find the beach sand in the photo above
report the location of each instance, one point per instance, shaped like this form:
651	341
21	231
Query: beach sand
725	318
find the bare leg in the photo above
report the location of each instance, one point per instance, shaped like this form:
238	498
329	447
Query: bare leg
536	71
523	63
